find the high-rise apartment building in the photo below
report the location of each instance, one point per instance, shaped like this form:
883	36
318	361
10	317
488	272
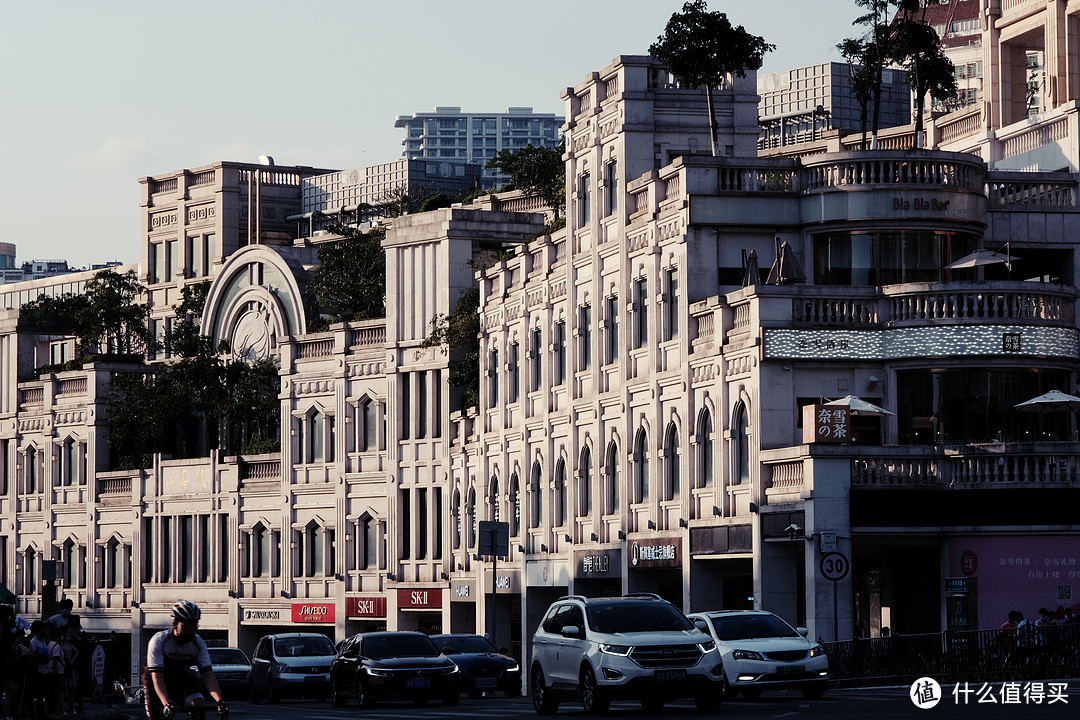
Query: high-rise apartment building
451	135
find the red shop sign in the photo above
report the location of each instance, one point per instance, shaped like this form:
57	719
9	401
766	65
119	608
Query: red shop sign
313	612
419	598
365	607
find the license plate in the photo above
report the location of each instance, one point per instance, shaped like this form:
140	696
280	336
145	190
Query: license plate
418	682
670	675
314	678
486	682
790	669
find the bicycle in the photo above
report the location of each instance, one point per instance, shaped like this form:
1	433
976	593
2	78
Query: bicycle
192	712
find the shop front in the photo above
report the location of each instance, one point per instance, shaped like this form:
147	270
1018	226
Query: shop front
258	621
420	608
546	580
364	613
598	573
463	605
502	609
655	566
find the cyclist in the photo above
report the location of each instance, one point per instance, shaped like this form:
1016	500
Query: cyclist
170	685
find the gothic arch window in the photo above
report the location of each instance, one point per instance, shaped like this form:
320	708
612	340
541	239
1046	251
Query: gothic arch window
536	505
671	463
741	445
472	518
457	519
641	467
560	493
585	489
493	499
366	437
705	450
611	479
515	506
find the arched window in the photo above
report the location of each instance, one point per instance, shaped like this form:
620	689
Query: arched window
366	426
611	479
493	499
704	450
369	535
260	541
641	467
472	517
671	463
31	469
515	506
560	493
585	476
70	555
457	519
70	458
536	506
741	443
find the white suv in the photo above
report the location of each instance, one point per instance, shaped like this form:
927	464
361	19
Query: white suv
637	647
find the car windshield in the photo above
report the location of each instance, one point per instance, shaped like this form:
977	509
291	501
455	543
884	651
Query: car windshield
227	656
388	646
465	643
743	627
627	617
303	647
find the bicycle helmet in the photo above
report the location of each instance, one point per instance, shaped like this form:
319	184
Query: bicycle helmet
186	611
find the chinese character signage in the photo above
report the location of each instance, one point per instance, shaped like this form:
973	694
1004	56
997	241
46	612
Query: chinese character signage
826	424
658	552
598	563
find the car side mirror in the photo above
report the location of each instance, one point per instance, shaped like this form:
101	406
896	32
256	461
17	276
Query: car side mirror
572	631
701	625
503	650
802	631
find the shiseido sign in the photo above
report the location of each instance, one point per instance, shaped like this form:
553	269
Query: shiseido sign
313	612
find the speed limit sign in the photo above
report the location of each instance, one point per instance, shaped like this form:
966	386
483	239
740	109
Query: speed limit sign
834	566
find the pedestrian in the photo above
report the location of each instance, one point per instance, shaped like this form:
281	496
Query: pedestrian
38	680
10	662
84	646
57	672
1011	622
60	619
68	682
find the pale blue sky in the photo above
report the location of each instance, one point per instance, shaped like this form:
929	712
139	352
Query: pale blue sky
98	94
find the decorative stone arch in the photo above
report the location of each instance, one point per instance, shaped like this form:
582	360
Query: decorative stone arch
256	300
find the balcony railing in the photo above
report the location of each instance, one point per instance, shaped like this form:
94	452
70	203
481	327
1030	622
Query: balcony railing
969	466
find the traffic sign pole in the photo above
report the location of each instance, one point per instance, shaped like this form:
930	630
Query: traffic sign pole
834	567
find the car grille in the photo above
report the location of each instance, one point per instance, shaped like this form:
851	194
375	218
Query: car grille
484	672
233	675
786	655
651	656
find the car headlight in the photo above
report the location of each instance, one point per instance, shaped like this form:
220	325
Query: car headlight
707	646
513	668
746	655
817	651
378	672
448	670
622	650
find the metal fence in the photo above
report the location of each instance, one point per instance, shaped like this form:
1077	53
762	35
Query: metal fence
1042	653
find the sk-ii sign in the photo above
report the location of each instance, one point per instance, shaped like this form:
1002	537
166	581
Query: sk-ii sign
419	597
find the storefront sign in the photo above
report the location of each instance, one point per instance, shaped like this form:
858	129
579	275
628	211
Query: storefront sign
598	564
419	598
462	590
658	552
363	607
313	612
921	204
826	424
257	616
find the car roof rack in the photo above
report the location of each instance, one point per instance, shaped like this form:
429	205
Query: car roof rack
574	597
651	596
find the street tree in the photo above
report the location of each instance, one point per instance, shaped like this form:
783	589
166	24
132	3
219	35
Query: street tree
535	170
701	48
873	50
917	48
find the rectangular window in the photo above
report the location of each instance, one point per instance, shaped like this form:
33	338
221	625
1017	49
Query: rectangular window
316	438
422	404
560	354
173	248
437	541
512	374
370	560
204	548
641	299
421	523
223	543
148	550
406	405
187	549
4	446
157	263
493	378
584	200
611	196
406	526
585	335
195	257
212	250
534	361
436	400
672	305
167	549
331	437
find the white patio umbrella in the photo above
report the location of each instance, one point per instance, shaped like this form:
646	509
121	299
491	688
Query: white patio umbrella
1049	401
982	256
857	406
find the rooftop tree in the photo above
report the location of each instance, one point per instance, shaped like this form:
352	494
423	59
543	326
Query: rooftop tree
536	170
917	47
701	48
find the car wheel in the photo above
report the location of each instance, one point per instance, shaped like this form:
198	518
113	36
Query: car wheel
707	702
336	698
362	698
752	694
452	698
592	697
652	705
814	692
543	702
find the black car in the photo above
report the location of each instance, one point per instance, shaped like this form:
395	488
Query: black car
232	670
393	665
484	668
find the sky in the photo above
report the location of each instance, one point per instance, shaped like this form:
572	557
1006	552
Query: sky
95	95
